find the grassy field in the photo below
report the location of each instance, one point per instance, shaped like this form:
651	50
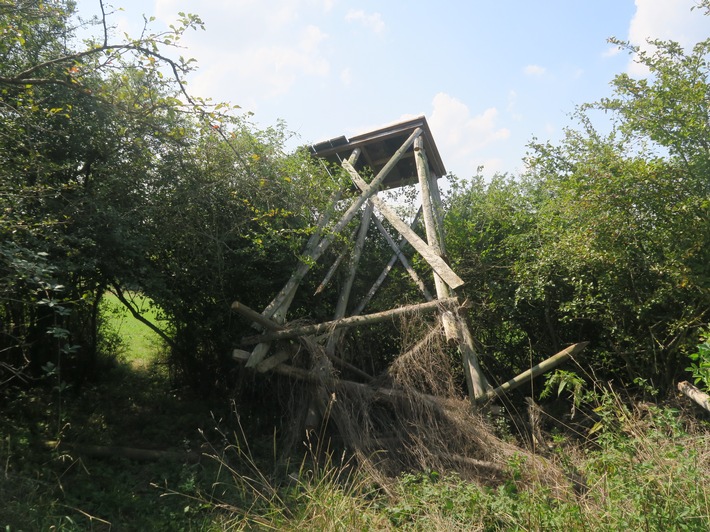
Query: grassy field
139	344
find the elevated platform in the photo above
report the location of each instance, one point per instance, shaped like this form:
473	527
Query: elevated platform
378	146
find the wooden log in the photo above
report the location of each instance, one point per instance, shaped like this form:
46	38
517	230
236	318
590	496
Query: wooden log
368	319
537	370
344	296
432	234
435	261
113	451
254	316
696	395
475	380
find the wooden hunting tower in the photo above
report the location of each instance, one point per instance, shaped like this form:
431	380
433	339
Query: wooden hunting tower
400	154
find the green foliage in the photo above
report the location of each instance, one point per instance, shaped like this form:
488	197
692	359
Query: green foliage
700	365
562	380
604	238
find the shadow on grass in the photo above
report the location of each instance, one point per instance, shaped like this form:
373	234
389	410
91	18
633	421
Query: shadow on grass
127	406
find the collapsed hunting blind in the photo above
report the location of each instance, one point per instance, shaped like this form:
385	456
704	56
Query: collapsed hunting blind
400	154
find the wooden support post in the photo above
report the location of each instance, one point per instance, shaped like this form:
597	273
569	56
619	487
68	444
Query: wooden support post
432	236
279	305
388	267
435	261
455	327
368	319
543	367
344	296
475	380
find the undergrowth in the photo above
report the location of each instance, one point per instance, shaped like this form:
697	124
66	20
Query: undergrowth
636	465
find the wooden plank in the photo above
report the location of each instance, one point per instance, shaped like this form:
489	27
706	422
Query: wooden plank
436	262
537	370
368	319
475	380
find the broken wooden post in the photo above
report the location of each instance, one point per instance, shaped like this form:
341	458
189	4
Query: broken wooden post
537	370
455	327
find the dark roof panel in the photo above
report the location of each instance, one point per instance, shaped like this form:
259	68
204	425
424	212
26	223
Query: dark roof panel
379	145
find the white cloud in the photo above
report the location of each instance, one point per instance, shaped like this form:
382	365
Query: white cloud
346	76
666	20
372	21
511	108
534	70
461	136
253	50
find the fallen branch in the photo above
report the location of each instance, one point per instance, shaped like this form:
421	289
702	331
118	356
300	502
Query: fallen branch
696	395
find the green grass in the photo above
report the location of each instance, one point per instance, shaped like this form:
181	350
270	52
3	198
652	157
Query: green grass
139	344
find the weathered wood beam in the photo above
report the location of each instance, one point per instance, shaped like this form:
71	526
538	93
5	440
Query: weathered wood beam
254	316
344	296
368	319
432	234
537	370
696	395
403	259
386	270
435	261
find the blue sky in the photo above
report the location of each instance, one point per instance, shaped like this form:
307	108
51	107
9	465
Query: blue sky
489	76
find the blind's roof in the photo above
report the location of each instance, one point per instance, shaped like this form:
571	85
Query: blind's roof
378	146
